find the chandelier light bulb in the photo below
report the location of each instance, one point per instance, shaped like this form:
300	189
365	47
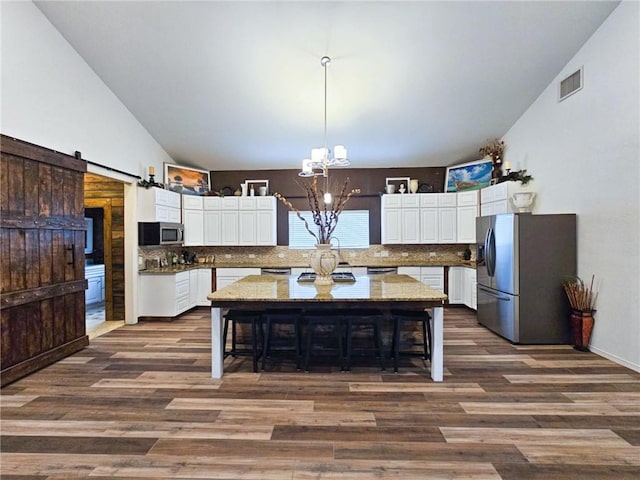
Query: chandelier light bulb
327	198
321	158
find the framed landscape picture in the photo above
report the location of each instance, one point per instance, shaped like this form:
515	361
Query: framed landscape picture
191	181
469	176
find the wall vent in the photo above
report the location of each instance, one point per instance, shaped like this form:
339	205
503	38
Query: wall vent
570	84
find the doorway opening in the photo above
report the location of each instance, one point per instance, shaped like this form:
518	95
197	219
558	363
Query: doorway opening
104	256
94	268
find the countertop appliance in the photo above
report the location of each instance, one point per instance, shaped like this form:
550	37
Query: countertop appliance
160	233
523	259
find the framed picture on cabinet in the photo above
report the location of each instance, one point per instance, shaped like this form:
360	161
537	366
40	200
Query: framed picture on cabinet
468	176
187	180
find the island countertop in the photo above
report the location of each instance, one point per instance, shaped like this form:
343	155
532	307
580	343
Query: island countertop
279	288
384	292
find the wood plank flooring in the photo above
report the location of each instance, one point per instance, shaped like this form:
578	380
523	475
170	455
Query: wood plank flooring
139	403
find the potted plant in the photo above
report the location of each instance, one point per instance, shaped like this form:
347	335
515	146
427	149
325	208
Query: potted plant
495	151
582	300
325	217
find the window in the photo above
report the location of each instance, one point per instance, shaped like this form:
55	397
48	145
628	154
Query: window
352	230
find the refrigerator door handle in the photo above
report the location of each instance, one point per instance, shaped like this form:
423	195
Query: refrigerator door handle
493	294
489	246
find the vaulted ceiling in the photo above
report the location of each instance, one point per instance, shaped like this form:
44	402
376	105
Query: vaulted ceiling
239	85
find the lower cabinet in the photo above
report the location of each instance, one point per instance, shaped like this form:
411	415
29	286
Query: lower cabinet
432	276
95	284
170	294
462	287
226	276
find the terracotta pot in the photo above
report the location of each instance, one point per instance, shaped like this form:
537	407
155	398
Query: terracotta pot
582	326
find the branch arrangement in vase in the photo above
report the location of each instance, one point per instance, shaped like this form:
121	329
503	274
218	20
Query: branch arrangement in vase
325	216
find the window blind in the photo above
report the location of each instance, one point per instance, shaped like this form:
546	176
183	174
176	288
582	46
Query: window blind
352	230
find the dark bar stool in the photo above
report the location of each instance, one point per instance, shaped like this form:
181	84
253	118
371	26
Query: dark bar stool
367	318
314	318
246	317
402	316
273	317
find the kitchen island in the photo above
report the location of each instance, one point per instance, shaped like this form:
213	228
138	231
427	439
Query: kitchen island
384	292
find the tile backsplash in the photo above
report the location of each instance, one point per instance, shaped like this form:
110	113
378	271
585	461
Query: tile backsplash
283	256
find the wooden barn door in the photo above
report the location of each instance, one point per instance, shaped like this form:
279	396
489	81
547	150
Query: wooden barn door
42	236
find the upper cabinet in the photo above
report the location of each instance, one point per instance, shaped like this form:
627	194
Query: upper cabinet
232	221
425	218
158	205
193	220
466	213
496	199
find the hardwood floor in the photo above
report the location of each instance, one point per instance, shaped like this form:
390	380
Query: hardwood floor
139	403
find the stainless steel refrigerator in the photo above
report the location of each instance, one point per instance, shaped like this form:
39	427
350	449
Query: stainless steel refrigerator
523	260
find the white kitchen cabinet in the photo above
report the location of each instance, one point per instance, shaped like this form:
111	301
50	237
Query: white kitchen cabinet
95	284
169	295
421	219
199	287
413	272
466	224
212	227
391	226
471	292
158	205
193	221
226	276
400	220
247	227
496	199
229	227
204	287
429	225
247	221
462	287
466	213
193	287
456	285
164	295
432	276
447	228
410	225
447	199
266	221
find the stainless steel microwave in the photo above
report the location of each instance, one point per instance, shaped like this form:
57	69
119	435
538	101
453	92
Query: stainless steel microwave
160	233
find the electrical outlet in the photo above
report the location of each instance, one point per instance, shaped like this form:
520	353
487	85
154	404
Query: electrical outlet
384	253
405	254
432	254
227	255
252	255
305	255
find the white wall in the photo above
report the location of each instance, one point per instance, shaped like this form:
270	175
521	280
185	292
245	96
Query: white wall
51	97
584	154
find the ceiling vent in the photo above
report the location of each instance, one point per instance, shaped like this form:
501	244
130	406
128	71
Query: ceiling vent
570	84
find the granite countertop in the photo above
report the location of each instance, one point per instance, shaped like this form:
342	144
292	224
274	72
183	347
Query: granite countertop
254	264
176	268
381	288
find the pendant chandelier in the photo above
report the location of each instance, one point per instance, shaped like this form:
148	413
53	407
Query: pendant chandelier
321	158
